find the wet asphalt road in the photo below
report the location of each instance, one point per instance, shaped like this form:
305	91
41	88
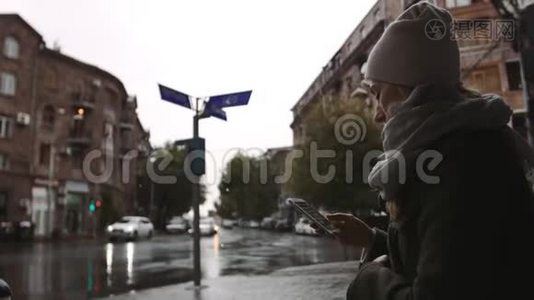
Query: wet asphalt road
86	269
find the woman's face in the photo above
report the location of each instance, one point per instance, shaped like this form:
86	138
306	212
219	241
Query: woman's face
386	98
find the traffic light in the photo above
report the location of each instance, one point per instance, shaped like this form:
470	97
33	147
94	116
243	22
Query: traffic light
98	203
198	164
92	206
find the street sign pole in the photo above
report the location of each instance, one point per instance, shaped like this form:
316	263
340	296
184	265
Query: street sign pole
196	209
212	108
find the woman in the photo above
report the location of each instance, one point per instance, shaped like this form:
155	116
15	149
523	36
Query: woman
461	225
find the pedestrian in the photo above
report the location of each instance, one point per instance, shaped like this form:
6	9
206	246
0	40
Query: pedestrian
461	225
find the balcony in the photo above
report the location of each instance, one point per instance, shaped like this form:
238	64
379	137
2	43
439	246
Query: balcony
82	101
126	124
79	137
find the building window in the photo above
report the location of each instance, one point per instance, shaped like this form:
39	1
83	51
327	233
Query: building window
51	77
77	158
6	127
485	80
513	72
458	3
44	154
362	30
376	12
48	117
4	162
11	47
8	83
3	204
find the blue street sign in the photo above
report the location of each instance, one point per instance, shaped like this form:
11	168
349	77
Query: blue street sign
211	110
215	104
227	100
174	96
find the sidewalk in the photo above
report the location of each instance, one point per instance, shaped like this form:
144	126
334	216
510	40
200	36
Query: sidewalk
322	281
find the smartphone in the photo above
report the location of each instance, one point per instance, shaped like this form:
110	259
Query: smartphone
313	215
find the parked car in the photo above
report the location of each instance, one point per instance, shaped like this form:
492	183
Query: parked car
130	228
242	222
207	227
228	223
177	225
267	223
19	231
254	224
7	230
303	226
282	225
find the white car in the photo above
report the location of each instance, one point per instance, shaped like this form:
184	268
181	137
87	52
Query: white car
303	226
207	227
131	228
228	223
177	225
254	224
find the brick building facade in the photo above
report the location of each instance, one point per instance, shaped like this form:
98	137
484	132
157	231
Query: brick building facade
58	110
488	65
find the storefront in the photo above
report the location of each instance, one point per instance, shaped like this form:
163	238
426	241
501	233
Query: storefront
43	210
75	201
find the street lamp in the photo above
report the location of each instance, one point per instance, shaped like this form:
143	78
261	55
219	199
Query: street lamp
152	159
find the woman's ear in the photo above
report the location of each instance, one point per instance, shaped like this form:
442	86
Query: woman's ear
405	91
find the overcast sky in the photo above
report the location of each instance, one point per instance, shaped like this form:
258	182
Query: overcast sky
276	48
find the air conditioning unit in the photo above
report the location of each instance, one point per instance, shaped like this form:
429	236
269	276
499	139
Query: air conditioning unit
97	83
23	119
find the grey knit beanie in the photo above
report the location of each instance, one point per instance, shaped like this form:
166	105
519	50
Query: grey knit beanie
417	48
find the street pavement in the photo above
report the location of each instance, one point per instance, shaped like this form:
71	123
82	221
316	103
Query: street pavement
320	281
94	268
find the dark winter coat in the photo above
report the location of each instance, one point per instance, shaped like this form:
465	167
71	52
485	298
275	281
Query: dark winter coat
471	236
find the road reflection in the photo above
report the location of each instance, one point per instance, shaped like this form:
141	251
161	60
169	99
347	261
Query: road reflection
109	261
86	269
130	251
211	260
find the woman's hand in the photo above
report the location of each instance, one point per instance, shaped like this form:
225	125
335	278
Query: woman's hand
352	231
382	260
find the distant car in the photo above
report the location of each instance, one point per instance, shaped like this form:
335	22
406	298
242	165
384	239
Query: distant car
267	223
177	225
207	227
228	223
243	223
303	226
131	228
254	224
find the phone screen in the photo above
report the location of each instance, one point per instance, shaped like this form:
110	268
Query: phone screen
313	215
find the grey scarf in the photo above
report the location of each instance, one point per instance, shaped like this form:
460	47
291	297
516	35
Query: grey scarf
429	113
